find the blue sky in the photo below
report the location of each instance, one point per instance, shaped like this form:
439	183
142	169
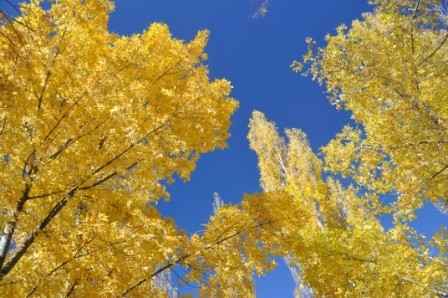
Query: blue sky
255	56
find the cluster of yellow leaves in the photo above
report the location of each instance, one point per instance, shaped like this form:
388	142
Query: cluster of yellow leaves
92	123
332	233
390	70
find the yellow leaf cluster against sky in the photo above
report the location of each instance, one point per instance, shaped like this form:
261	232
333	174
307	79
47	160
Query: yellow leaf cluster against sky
92	122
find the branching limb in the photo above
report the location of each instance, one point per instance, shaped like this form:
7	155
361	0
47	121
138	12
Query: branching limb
435	50
9	229
32	236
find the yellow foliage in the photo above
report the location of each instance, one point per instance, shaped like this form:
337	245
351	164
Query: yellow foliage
333	233
91	124
390	71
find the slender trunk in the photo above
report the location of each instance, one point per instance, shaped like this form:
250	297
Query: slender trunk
32	236
8	231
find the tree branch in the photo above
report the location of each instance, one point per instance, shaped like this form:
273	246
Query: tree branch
132	145
32	291
8	232
438	172
71	289
179	260
161	269
435	50
32	236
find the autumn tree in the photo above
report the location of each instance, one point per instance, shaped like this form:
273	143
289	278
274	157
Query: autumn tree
93	124
333	232
329	233
390	71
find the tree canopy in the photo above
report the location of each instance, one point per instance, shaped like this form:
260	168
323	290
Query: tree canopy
390	71
93	125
